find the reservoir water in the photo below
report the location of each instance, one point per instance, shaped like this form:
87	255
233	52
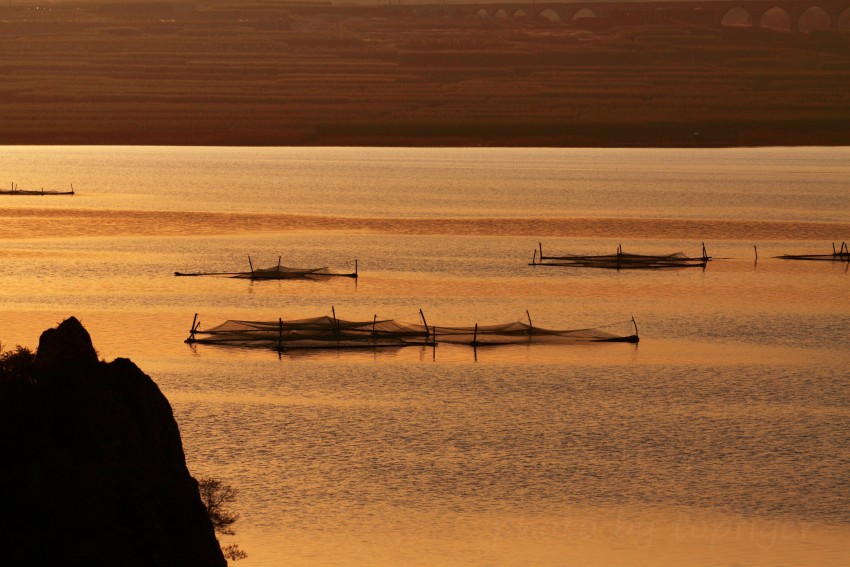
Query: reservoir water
721	439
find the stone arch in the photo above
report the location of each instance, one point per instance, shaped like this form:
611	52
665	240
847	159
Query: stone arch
519	14
584	13
482	13
501	14
776	18
843	21
737	17
549	15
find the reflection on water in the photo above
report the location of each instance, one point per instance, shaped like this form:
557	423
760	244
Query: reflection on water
56	223
745	184
719	440
746	440
377	451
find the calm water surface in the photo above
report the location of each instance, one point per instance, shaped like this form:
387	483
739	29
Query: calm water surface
722	439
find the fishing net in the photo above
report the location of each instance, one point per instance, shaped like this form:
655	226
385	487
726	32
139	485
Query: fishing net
840	255
315	332
331	332
278	272
519	332
623	260
285	273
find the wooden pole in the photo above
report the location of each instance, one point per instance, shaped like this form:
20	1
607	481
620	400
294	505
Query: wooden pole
425	323
540	246
636	329
191	338
527	314
475	336
756	248
251	265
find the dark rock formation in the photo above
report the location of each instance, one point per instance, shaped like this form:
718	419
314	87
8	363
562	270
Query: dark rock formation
93	471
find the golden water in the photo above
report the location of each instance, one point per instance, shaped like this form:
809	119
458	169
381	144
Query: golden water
720	440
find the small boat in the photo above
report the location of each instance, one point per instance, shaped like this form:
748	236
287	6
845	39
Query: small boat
623	260
840	255
42	191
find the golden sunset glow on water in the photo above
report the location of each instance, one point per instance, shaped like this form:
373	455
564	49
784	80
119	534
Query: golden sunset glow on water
454	284
719	439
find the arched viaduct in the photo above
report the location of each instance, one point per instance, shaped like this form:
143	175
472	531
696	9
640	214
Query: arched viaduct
788	15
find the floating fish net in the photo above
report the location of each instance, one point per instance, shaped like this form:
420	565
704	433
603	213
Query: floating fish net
15	191
331	332
840	255
519	332
287	273
316	332
278	272
623	260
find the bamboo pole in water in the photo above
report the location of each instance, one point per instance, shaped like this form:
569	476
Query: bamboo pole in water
192	330
424	322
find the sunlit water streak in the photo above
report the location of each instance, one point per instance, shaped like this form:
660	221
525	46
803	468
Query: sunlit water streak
720	440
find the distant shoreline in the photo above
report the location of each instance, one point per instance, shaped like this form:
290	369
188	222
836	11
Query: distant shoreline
223	74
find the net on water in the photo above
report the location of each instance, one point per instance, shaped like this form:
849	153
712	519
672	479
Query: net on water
286	273
278	272
840	255
519	332
315	332
622	260
331	332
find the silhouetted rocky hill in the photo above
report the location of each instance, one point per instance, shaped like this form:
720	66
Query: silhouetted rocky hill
93	470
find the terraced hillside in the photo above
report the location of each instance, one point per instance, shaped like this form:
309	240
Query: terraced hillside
220	73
